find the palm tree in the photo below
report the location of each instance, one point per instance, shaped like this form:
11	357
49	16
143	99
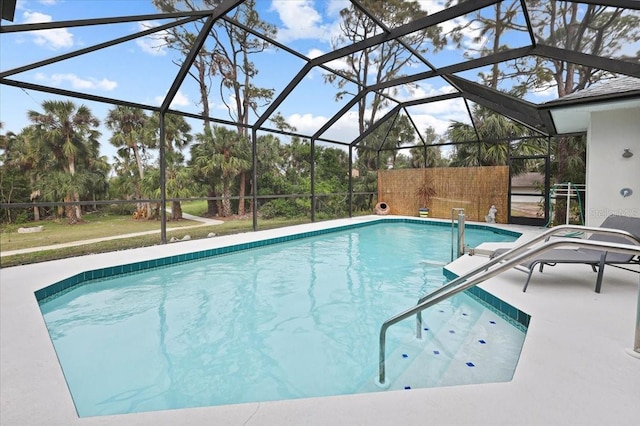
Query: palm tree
366	182
489	152
27	153
70	134
213	157
14	179
383	143
179	183
99	178
130	136
242	151
433	153
271	168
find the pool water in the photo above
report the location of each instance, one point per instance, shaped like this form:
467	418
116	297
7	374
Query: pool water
290	320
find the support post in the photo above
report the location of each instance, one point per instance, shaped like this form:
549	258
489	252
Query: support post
350	181
254	176
568	202
163	182
635	350
461	233
313	180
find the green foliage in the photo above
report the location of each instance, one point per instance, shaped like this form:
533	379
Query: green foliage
494	133
217	158
365	187
23	217
332	206
379	148
284	207
120	209
67	134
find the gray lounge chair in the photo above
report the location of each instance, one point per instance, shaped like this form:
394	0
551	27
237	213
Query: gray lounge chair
597	259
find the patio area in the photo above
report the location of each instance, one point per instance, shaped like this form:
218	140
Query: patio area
574	367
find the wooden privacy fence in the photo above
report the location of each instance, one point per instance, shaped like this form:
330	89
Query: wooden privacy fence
475	189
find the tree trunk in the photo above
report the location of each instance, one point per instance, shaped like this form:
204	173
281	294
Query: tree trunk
176	210
201	66
34	196
251	194
72	212
226	201
149	211
241	193
212	207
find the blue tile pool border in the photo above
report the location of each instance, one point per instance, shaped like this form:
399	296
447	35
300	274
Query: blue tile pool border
82	278
510	313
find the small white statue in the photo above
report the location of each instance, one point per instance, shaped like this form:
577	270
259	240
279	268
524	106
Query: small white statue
491	217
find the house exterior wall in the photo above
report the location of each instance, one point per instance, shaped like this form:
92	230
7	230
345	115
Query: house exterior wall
607	172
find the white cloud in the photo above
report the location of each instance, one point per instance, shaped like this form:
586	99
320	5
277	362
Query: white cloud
333	8
548	92
57	38
435	114
344	130
439	118
314	53
339	64
153	44
77	82
180	99
48	2
431	6
300	20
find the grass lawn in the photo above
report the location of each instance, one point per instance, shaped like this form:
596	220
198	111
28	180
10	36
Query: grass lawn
95	225
104	225
196	208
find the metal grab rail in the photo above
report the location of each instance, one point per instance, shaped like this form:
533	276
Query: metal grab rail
482	273
522	248
460	250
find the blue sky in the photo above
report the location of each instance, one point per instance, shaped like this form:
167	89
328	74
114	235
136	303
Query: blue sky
142	70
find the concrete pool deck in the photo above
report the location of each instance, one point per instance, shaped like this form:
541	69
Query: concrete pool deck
574	368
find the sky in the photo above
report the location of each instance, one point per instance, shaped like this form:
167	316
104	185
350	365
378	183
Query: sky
143	70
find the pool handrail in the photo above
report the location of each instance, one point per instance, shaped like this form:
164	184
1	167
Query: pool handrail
504	262
461	228
526	245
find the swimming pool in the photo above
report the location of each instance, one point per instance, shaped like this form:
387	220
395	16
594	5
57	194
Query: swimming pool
280	321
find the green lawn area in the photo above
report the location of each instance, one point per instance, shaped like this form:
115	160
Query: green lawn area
196	208
105	225
93	226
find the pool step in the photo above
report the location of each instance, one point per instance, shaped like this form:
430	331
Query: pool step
474	353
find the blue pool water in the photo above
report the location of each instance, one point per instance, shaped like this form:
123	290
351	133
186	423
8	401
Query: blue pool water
289	320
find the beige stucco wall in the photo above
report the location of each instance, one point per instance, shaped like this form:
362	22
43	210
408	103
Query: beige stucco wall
609	133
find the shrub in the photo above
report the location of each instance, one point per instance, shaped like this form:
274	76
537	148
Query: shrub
282	207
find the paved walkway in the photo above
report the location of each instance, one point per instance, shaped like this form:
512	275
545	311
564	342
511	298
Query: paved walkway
203	222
